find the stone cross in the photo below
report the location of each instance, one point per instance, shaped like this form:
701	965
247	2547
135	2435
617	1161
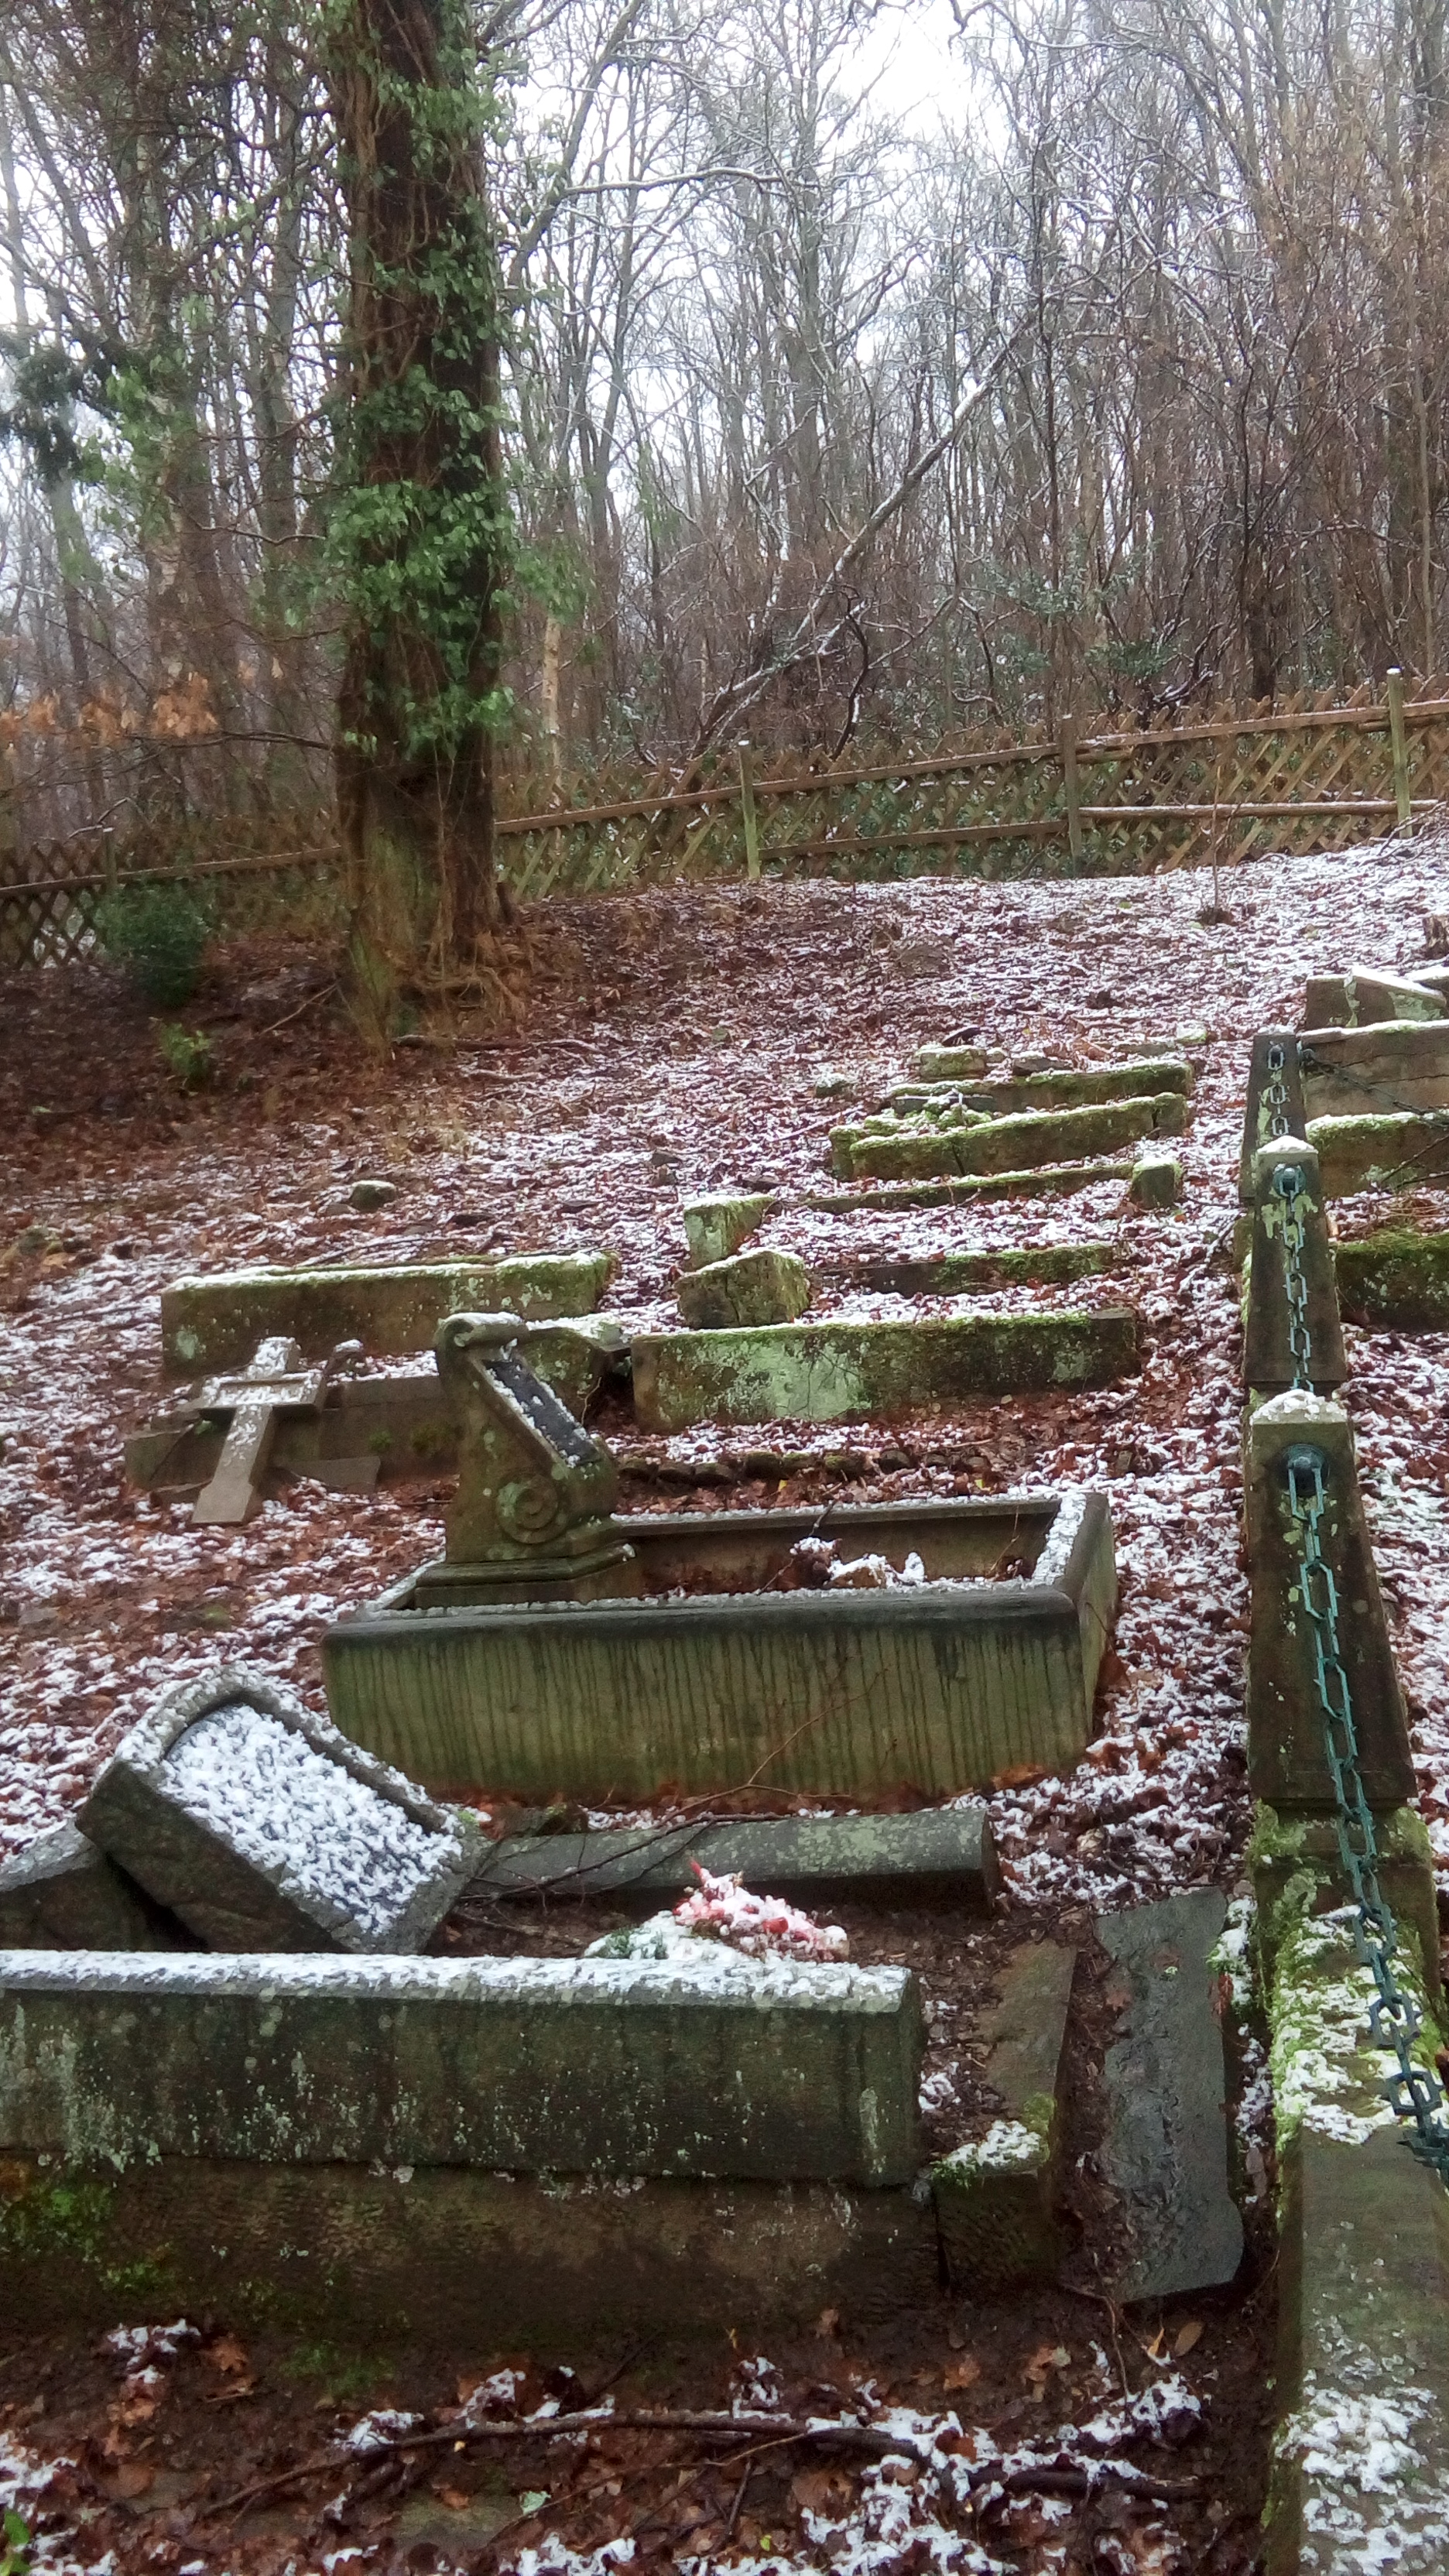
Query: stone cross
275	1383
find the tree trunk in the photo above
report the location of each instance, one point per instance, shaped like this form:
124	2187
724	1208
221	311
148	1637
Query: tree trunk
420	524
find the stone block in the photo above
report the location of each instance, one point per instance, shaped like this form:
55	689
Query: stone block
1395	1281
1392	1065
995	2199
831	1372
729	2066
1165	2078
407	2259
752	1288
1400	1151
1287	1764
1156	1182
217	1322
264	1829
1018	1143
964	1274
60	1893
1269	1363
949	1063
945	1685
1061	1180
369	1195
716	1227
940	1856
1360	2468
1294	1863
1362	998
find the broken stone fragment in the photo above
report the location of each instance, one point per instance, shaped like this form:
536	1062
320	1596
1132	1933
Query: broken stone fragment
367	1195
995	2198
263	1828
716	1227
752	1288
60	1893
1156	1181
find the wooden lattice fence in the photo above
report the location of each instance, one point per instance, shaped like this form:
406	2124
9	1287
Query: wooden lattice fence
1305	776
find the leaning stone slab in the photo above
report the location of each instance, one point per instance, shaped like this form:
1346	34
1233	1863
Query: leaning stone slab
832	1372
373	2258
964	1274
1061	1180
217	1322
60	1893
995	2199
716	1227
1397	1152
941	1856
1395	1281
725	2065
1360	2474
1013	1144
1166	2149
264	1829
751	1288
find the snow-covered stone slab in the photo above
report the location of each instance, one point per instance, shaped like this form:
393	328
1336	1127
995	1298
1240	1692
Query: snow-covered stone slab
60	1893
263	1828
715	2064
1166	2149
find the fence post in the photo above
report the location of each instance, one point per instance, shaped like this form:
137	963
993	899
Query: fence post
1067	739
1399	741
747	809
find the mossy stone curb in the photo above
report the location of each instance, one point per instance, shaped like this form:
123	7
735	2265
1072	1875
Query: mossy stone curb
217	1322
1383	1153
1018	1143
1395	1281
831	1372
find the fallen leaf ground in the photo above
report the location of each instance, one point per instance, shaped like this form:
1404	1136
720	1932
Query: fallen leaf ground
677	1042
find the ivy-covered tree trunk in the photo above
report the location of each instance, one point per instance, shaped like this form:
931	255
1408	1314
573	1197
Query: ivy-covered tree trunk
420	525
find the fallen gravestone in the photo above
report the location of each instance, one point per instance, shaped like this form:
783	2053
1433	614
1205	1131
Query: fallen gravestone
273	1384
1166	2148
264	1829
751	1288
938	1856
60	1893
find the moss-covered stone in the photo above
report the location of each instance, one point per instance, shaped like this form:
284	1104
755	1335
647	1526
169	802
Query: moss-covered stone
1293	1862
1064	1087
1380	1153
1395	1280
716	1227
831	1372
752	1288
1061	1180
1360	2474
1156	1181
216	1323
964	1274
1012	1144
949	1063
374	2262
